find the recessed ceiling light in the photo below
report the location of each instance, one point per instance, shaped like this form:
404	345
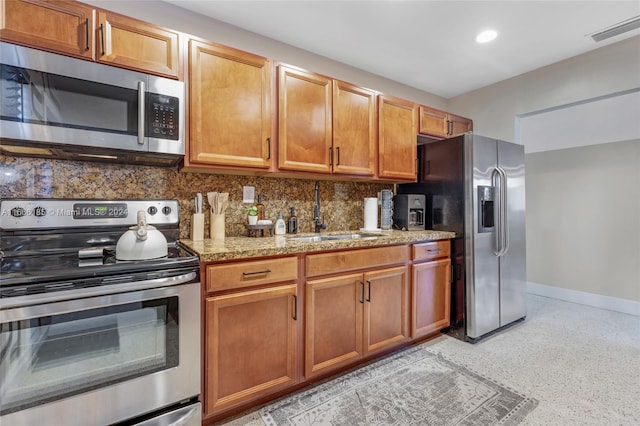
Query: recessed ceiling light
486	36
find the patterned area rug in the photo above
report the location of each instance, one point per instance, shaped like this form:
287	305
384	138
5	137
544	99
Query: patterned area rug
412	387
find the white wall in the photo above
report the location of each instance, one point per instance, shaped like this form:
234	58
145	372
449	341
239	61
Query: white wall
583	218
580	125
173	17
611	119
601	72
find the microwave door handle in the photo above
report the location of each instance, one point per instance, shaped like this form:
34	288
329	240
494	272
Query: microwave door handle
141	112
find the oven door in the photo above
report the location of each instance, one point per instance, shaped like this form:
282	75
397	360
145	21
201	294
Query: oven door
100	360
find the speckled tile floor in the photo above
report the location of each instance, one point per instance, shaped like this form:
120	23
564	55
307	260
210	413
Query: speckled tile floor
581	363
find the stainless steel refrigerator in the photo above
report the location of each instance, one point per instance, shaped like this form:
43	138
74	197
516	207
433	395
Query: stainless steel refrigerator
475	186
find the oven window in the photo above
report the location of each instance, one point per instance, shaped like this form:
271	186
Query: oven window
30	96
53	357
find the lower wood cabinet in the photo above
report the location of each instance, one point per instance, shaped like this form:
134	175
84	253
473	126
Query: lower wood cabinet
357	303
251	345
351	316
430	288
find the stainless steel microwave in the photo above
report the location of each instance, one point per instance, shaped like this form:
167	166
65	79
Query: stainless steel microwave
56	106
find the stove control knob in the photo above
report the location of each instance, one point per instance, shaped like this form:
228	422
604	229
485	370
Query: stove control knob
40	211
18	212
152	210
166	210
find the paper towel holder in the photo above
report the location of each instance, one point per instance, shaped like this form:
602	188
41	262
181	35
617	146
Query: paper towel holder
370	214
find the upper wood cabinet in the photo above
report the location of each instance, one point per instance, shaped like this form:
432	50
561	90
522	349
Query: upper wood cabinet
325	125
304	120
433	122
136	45
229	107
78	30
58	26
459	125
441	124
396	138
354	130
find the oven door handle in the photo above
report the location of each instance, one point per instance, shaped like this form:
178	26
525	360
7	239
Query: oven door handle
103	290
181	417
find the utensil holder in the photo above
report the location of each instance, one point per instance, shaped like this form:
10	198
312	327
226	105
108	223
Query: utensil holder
216	230
197	227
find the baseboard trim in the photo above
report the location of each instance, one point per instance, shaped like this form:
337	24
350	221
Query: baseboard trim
590	299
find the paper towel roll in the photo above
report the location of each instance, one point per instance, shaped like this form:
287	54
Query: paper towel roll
371	213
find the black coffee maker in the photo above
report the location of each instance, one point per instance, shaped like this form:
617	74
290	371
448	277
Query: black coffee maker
409	211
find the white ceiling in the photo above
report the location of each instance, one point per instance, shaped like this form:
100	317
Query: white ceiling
430	45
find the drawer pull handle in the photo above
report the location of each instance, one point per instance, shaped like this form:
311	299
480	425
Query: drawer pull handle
361	292
434	250
263	272
369	295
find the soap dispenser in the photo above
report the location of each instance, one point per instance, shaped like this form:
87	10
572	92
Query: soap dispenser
281	228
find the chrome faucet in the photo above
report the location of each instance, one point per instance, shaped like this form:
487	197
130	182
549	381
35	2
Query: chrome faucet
319	224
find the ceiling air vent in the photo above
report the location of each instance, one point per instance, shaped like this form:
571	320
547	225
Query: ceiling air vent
620	28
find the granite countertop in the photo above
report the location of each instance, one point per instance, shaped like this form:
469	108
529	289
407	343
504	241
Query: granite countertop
245	247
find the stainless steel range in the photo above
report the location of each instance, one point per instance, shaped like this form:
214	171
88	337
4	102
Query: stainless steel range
89	339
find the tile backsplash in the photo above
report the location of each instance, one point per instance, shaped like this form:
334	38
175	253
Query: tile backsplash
341	202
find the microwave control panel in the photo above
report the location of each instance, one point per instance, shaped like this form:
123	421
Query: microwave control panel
162	116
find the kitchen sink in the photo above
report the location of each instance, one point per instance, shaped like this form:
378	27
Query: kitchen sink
332	237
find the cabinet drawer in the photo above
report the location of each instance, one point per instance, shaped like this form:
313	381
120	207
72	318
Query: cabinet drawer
255	272
343	261
431	250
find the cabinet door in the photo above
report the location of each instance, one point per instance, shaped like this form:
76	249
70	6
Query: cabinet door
431	297
386	308
136	45
62	26
304	121
250	345
354	130
230	106
433	122
397	139
333	322
459	125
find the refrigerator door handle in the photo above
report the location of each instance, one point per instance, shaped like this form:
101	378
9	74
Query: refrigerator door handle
496	183
503	225
505	211
499	180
